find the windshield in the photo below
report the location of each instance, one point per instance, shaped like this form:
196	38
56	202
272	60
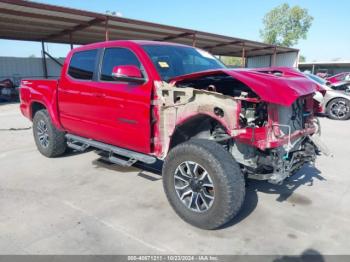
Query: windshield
316	78
172	60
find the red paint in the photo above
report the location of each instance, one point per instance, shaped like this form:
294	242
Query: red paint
338	77
282	90
43	92
126	71
122	113
263	138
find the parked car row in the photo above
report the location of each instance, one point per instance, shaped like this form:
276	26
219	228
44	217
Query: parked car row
335	102
342	77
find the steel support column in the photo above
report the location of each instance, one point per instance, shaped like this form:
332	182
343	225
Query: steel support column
274	56
71	41
53	59
44	59
243	57
194	39
106	30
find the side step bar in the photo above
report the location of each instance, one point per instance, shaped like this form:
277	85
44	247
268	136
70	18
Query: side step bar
121	162
133	156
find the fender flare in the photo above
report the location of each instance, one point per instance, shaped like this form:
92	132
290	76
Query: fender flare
52	113
196	117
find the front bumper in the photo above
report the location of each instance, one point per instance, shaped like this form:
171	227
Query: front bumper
263	137
286	163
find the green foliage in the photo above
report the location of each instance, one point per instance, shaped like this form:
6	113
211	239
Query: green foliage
231	61
302	59
285	25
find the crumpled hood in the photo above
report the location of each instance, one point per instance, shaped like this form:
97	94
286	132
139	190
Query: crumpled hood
282	90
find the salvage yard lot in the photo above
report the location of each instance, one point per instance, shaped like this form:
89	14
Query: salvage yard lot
78	204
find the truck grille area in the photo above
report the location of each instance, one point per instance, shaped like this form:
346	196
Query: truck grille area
292	116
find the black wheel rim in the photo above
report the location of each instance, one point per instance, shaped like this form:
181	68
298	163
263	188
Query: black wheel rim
194	186
42	133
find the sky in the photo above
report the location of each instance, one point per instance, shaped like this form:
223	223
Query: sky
328	38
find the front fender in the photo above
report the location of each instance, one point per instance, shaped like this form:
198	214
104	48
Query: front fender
179	105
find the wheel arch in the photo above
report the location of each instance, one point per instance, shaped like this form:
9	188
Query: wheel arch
337	97
36	106
196	126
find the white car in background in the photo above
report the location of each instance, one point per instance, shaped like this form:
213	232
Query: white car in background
336	101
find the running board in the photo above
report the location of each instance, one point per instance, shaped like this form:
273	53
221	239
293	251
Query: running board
119	161
131	155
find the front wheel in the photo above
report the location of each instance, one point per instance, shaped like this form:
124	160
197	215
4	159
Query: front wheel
203	183
338	109
50	141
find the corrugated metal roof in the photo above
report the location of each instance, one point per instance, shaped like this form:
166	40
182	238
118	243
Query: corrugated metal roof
31	21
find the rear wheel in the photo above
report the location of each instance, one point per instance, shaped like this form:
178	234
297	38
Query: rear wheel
203	183
339	109
50	141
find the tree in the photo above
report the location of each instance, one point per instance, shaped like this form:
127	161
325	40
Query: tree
302	59
285	25
231	61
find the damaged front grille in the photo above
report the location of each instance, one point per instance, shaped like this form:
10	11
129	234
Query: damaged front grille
292	118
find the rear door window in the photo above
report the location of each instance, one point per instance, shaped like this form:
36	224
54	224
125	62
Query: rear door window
82	65
116	57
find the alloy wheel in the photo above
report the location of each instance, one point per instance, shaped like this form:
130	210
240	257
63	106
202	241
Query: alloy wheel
339	109
194	186
42	133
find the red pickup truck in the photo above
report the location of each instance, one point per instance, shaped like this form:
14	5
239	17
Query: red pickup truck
212	126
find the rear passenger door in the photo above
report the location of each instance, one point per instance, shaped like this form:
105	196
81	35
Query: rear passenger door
124	107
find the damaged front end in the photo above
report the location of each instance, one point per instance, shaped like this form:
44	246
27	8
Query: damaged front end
282	145
265	121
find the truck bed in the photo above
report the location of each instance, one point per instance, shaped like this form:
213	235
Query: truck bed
40	91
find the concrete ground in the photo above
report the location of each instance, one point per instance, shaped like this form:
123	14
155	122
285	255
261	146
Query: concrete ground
79	205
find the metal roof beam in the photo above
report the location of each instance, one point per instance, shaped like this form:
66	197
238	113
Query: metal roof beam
171	37
222	44
55	8
248	51
38	16
262	48
76	28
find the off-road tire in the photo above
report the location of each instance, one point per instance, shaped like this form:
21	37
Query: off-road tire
228	181
57	143
337	100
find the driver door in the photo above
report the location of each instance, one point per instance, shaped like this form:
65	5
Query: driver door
124	108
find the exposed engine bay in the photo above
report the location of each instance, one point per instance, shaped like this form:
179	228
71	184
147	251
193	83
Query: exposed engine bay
269	141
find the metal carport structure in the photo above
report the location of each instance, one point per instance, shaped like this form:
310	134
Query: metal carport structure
32	21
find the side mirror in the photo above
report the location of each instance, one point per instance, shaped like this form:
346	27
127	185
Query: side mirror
127	73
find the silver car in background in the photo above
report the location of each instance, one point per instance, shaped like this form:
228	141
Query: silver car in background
336	101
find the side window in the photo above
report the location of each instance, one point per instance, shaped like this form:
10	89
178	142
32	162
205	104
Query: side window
82	65
116	57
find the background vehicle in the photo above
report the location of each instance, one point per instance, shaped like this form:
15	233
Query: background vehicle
343	86
345	76
336	100
143	100
8	91
323	73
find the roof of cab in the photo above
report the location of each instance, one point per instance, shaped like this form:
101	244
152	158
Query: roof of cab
124	42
